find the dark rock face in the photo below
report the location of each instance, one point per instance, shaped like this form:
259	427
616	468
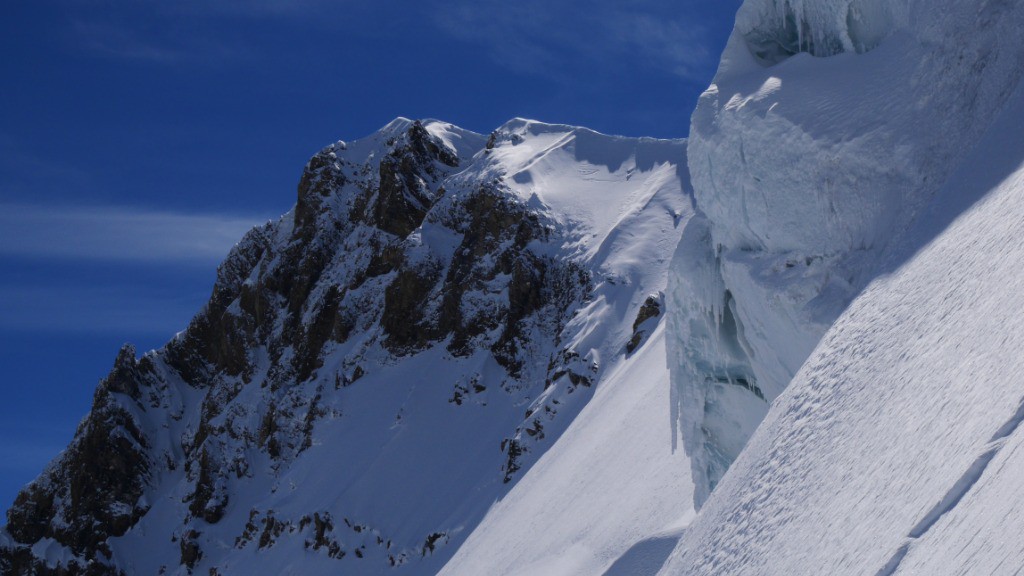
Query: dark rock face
215	341
321	178
94	493
404	318
344	263
495	233
21	561
190	551
404	194
651	309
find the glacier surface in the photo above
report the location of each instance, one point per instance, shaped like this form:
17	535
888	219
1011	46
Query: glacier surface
805	169
897	449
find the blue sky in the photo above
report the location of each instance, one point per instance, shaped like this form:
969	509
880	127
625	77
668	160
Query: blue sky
139	139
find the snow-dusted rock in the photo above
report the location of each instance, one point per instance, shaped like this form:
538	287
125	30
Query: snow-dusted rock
376	368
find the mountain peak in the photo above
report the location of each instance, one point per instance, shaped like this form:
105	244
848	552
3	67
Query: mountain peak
421	313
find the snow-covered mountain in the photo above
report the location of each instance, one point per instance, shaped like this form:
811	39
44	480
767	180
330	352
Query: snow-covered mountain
377	368
541	352
856	170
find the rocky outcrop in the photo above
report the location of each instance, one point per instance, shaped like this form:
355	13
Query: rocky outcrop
95	491
649	311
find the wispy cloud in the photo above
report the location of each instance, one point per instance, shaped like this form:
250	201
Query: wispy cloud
118	234
553	38
673	43
90	270
252	8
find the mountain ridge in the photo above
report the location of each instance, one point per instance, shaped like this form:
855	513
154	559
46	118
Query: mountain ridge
429	288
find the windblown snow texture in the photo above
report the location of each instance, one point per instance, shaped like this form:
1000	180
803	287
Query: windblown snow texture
379	366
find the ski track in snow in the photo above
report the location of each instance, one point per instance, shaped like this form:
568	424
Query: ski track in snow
959	490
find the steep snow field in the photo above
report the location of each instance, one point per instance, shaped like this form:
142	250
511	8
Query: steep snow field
607	498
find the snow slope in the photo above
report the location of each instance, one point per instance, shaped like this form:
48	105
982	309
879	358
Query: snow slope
829	126
592	502
896	449
607	498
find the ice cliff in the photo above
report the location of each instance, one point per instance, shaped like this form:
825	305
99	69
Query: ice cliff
829	127
897	449
774	30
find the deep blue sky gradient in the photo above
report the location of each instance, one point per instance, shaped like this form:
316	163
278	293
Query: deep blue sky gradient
139	139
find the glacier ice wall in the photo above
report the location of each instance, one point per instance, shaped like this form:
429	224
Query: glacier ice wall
806	163
777	29
897	449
